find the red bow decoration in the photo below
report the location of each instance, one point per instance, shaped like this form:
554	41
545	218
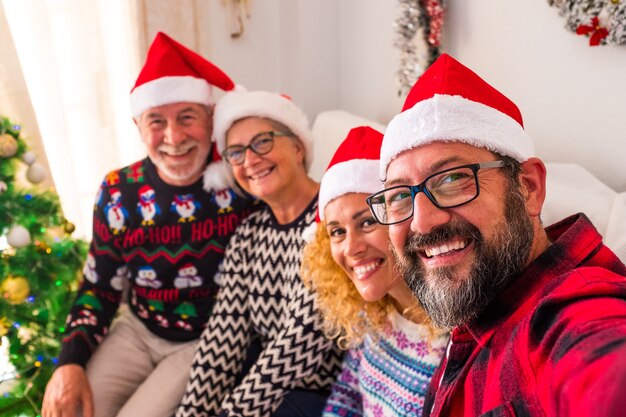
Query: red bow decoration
597	32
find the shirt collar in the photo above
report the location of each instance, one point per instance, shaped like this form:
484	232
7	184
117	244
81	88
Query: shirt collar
574	239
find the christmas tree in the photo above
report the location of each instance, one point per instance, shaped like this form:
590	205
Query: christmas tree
39	267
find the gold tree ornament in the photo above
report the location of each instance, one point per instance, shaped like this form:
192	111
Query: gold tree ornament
5	324
69	227
8	146
15	289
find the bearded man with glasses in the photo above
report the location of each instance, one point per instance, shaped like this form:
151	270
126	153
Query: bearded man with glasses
537	315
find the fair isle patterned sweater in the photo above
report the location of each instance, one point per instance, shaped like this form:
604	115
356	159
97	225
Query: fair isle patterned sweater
262	294
165	243
389	376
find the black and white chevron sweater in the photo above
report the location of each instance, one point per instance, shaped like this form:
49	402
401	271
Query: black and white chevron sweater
262	294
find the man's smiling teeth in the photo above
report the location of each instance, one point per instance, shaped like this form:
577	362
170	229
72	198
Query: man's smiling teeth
177	151
364	269
445	248
261	174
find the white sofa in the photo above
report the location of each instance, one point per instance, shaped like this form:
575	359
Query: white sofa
570	188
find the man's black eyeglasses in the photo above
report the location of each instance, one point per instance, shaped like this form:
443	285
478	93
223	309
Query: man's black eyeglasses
445	189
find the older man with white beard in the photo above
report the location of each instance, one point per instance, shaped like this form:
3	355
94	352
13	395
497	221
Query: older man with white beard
140	366
537	316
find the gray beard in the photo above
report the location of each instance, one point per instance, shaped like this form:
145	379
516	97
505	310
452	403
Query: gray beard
452	300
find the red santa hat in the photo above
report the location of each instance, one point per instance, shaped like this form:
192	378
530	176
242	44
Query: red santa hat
175	74
187	265
114	192
145	189
353	168
239	104
451	103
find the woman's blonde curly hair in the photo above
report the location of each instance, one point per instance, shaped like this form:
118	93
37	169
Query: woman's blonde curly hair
347	316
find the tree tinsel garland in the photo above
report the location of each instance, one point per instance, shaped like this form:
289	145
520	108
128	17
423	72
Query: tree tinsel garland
38	279
604	21
418	28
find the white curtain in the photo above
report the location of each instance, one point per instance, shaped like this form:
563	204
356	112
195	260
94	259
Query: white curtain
78	63
70	67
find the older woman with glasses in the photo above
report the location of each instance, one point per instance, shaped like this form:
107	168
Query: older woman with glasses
366	305
266	141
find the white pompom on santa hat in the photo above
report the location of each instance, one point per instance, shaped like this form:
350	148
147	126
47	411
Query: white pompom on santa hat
173	73
451	103
353	168
239	103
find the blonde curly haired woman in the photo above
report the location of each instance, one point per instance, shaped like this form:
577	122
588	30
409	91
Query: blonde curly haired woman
367	307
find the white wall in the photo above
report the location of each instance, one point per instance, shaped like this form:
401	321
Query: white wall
288	46
339	54
368	61
572	96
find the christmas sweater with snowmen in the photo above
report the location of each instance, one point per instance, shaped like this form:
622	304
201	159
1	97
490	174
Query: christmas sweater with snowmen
165	244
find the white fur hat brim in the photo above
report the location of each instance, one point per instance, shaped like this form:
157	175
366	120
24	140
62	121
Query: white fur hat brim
168	90
445	118
353	176
238	104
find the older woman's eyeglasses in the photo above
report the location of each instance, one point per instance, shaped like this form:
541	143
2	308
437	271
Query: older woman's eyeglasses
445	189
260	144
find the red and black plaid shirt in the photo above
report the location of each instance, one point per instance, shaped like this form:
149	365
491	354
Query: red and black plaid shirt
552	344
